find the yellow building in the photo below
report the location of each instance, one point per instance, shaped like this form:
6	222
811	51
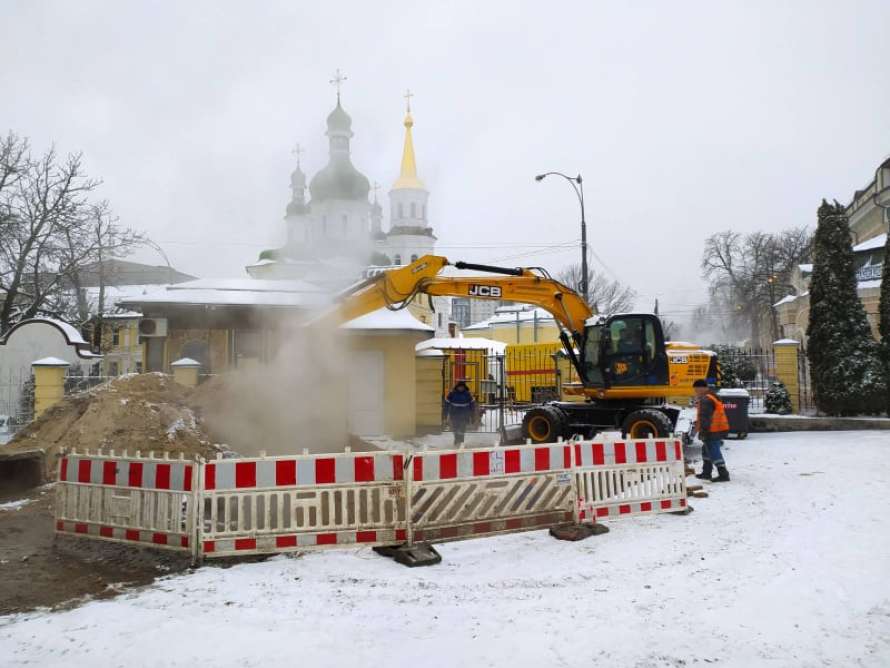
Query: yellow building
517	325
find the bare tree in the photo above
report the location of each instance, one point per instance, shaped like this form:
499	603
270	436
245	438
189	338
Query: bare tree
50	229
747	274
606	296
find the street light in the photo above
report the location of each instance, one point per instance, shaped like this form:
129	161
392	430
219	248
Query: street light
578	186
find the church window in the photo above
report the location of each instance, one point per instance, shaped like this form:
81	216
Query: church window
324	226
423	211
345	225
413	210
414	258
398	259
401	210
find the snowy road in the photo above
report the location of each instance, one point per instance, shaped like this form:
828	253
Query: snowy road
788	565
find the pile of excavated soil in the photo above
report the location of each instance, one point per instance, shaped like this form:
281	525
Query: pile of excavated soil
146	412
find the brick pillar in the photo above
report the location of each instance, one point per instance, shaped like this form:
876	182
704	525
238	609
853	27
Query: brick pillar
185	371
49	383
787	369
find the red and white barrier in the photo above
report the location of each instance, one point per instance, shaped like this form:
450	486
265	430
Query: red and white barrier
281	504
467	493
266	505
128	499
622	478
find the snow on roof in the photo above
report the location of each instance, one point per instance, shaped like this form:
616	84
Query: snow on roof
460	343
511	317
871	244
865	285
186	361
50	361
122	315
733	392
71	332
116	294
807	268
383	319
431	352
786	342
235	292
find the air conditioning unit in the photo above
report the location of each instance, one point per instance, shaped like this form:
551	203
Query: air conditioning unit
153	327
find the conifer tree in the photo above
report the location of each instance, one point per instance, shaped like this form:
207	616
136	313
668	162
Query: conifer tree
777	399
845	365
884	319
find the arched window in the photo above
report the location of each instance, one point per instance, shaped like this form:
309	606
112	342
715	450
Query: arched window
414	258
413	210
345	225
398	260
423	211
401	210
324	226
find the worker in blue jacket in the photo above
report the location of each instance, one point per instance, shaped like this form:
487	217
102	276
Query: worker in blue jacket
460	405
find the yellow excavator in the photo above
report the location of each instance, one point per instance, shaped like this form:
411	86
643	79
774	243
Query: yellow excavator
627	370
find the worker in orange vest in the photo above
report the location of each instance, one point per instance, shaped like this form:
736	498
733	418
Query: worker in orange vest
712	427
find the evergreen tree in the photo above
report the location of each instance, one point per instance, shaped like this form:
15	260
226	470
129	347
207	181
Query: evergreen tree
777	399
884	322
845	365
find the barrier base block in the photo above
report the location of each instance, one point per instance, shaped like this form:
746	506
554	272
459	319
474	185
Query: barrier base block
577	531
685	511
419	554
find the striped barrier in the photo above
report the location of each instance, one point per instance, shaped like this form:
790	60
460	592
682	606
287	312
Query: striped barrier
282	504
128	499
268	505
469	493
623	478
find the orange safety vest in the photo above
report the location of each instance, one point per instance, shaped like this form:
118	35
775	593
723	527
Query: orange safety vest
719	422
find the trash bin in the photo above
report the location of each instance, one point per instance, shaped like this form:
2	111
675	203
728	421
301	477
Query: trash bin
735	403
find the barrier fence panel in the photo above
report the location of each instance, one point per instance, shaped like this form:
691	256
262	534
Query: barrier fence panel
468	493
282	504
128	499
268	505
623	478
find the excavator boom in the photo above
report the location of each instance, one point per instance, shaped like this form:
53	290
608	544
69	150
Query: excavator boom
394	288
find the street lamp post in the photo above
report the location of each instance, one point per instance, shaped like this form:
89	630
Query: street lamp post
577	184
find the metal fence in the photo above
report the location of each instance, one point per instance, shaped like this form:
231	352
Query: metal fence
754	369
16	401
78	382
506	386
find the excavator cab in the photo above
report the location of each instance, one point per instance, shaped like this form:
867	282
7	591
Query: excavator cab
624	350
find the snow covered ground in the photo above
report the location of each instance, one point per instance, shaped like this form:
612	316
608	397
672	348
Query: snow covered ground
787	565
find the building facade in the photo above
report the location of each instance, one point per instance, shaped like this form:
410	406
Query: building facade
869	224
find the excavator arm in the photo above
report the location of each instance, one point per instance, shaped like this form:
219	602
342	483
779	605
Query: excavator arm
395	288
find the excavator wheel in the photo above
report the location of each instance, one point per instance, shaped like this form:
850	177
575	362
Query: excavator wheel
646	423
544	424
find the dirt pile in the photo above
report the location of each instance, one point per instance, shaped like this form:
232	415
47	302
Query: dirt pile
147	412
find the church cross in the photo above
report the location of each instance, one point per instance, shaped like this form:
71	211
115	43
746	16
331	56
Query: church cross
298	151
408	96
337	81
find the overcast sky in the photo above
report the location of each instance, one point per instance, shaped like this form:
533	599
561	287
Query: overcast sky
684	118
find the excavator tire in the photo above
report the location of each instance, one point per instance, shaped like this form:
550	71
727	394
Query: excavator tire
544	424
646	423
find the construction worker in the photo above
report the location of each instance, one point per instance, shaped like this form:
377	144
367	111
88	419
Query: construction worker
460	410
712	427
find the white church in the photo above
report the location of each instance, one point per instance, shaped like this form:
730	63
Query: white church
338	233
